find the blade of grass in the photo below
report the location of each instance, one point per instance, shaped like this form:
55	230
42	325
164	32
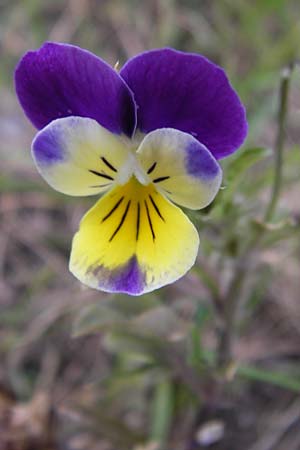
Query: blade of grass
278	379
162	413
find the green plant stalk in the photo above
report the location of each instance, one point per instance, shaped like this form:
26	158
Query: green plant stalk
162	412
226	327
283	108
232	297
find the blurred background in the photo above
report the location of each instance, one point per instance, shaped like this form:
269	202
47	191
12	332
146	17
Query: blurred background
212	361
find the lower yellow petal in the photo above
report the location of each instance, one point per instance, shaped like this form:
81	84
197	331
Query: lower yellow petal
133	240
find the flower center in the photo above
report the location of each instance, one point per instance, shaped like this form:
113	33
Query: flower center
132	167
138	203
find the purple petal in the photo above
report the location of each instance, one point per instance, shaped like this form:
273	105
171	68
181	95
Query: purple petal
187	92
61	80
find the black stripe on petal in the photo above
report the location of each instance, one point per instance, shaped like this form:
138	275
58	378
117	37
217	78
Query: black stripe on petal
156	208
159	179
108	164
121	222
149	220
151	168
138	219
113	209
103	175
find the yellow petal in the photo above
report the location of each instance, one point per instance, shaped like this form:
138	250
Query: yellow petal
133	240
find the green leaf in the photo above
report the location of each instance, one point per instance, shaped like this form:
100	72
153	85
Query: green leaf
286	228
208	278
160	322
132	307
195	351
162	412
125	339
96	318
282	380
112	313
236	170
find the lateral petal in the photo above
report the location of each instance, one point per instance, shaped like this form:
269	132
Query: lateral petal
77	156
181	167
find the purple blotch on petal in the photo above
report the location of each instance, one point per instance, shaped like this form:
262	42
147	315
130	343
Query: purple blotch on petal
129	279
47	147
199	161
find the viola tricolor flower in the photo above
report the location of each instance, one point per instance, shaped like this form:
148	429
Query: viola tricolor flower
147	138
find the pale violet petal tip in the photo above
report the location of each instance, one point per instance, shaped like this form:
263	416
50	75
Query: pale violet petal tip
47	147
200	162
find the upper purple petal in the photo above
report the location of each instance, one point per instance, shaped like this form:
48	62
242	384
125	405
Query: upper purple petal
187	92
61	80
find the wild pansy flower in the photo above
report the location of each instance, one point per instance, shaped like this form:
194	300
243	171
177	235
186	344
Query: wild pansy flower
148	138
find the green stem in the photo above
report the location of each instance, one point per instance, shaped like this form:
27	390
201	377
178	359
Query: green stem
282	113
227	326
233	296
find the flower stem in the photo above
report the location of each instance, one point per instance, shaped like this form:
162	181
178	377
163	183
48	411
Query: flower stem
233	295
282	113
